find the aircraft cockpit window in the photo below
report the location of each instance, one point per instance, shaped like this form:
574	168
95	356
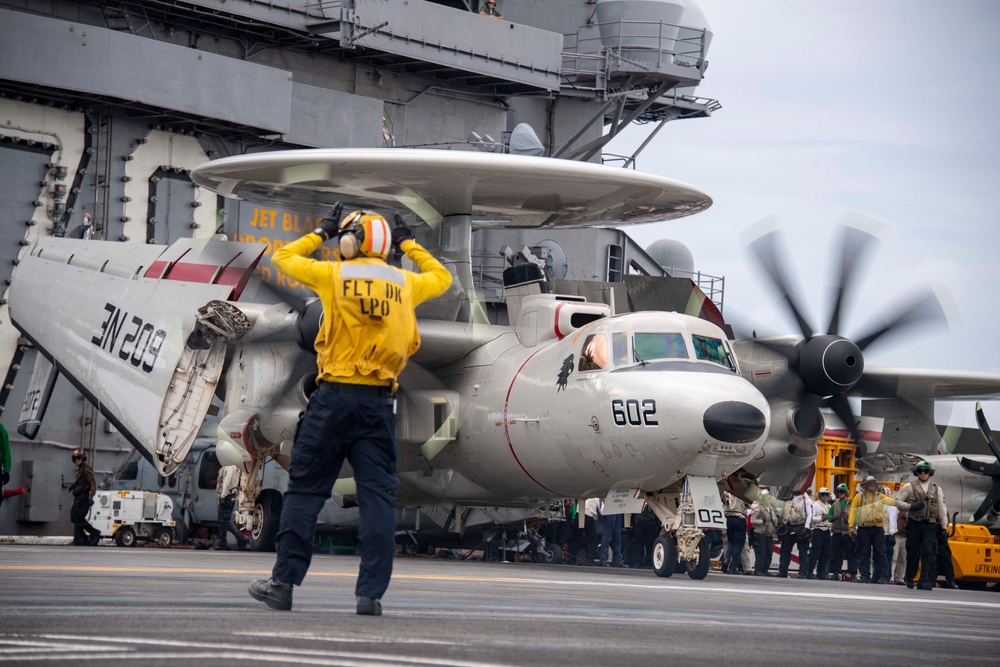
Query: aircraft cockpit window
595	353
619	347
712	349
649	346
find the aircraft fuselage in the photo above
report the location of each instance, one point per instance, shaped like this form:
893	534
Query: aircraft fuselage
636	400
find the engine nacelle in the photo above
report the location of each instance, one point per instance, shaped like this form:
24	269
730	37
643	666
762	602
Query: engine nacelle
790	448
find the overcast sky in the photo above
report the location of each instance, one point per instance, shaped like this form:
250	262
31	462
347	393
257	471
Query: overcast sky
889	109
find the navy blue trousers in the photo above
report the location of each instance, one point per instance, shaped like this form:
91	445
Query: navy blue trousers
841	549
736	541
335	426
871	553
819	554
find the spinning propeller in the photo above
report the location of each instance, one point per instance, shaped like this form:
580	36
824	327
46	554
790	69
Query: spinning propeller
824	367
991	469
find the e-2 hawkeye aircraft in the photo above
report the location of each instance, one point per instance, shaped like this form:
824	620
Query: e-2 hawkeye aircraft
568	400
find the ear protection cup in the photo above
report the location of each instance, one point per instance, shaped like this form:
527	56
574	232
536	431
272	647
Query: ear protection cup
352	235
348	245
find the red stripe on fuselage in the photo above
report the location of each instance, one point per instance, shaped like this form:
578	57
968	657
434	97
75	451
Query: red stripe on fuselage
555	324
506	429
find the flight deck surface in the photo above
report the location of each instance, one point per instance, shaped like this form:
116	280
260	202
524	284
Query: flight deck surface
109	605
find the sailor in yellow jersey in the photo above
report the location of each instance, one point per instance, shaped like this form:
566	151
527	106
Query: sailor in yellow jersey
866	523
368	332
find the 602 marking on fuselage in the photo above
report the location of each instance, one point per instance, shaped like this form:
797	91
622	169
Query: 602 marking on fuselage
622	412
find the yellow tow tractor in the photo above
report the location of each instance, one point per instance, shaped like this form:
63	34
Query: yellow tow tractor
975	554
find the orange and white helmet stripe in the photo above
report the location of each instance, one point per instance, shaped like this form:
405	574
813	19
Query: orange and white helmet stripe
378	237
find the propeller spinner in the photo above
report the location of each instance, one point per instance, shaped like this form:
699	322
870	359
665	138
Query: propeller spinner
824	367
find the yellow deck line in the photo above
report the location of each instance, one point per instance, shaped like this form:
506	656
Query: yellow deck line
201	570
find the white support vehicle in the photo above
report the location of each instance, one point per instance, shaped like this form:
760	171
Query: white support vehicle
129	516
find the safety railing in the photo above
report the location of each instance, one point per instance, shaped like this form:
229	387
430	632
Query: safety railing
629	45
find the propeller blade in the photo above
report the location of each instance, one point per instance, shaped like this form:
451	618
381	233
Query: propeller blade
854	245
788	384
785	348
984	428
991	500
926	308
842	408
766	250
979	467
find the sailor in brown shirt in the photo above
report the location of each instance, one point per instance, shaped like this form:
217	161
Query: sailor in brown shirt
83	489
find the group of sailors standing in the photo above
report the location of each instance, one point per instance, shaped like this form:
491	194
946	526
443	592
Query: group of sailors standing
861	530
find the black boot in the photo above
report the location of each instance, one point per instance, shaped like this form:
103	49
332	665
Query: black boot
274	594
369	606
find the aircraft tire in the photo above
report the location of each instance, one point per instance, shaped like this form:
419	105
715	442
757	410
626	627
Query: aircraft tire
266	517
125	537
163	537
550	554
699	569
664	555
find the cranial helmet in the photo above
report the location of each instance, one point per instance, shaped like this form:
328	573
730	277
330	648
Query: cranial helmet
364	233
80	454
869	480
923	465
842	487
823	490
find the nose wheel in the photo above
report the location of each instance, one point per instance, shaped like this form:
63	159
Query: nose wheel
683	546
664	556
697	568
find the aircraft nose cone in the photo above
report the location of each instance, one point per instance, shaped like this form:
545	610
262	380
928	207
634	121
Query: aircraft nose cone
734	421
